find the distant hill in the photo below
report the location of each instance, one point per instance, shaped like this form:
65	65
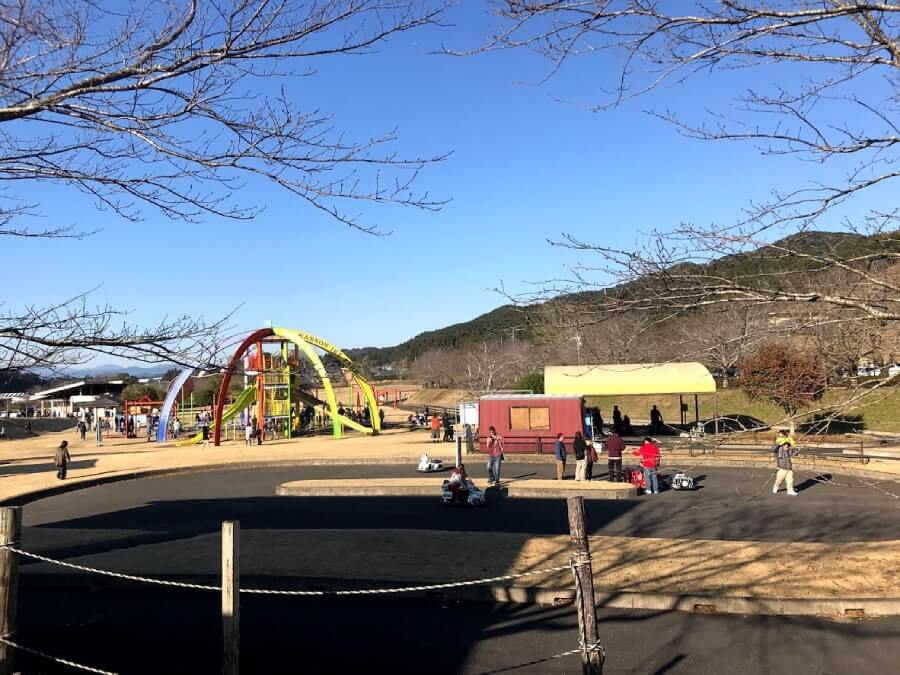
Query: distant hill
506	321
509	319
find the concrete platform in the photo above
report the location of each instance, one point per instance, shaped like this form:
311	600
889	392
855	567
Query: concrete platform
430	486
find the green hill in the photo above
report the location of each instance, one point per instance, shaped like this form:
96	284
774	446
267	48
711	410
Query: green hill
769	265
504	320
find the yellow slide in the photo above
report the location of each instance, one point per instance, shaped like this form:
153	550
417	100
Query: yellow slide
244	399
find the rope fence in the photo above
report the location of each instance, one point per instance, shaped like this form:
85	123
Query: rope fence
65	662
275	591
591	652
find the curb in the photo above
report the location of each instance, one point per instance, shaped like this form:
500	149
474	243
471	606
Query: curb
835	608
709	460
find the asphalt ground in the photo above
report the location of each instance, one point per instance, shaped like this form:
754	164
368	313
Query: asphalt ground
177	632
731	504
152	630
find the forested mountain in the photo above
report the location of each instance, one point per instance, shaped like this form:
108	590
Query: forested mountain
767	265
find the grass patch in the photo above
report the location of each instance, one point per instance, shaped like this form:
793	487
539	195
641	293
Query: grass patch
878	410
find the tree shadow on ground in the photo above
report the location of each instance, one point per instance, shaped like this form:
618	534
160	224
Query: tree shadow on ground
44	467
733	422
822	424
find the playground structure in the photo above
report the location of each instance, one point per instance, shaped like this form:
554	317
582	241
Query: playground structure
133	412
269	359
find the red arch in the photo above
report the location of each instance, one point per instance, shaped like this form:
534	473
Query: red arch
250	340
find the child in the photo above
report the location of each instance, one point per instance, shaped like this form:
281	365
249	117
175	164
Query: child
62	460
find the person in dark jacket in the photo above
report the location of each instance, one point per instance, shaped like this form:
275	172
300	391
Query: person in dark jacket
591	457
615	446
560	452
617	419
579	448
62	460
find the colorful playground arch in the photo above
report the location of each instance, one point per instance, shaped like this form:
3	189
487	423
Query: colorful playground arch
307	344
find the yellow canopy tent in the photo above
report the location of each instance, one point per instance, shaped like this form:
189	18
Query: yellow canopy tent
632	379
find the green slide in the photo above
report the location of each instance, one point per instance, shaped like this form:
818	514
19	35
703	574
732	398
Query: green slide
244	399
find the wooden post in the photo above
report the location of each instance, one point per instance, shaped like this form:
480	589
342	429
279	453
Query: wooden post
231	609
580	552
716	400
10	534
696	409
458	439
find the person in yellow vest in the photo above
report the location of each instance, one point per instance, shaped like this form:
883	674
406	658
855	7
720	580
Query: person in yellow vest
784	436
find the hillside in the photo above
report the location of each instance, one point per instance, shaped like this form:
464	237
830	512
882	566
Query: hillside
497	322
768	265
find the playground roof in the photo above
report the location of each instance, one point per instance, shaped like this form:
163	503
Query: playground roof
629	379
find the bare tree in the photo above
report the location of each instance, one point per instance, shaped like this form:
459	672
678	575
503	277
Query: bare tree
834	70
160	105
175	108
73	332
493	365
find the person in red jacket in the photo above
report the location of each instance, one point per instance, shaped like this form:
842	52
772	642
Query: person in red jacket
649	454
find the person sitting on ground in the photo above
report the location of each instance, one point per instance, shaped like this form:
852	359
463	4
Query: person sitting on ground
649	454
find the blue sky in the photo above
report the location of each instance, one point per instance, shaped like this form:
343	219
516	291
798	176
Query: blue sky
524	167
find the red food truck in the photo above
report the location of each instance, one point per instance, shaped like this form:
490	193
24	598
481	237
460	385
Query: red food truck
529	423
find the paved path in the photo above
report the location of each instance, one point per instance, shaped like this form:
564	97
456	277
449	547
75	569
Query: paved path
733	504
178	634
170	527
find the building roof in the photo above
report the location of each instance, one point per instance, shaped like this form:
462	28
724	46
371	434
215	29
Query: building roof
46	393
516	397
629	379
98	403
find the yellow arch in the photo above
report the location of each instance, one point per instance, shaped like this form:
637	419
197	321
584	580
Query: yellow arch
306	342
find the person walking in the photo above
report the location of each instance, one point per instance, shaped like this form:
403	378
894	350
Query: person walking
783	460
62	460
82	429
248	434
784	436
176	429
617	420
98	435
495	456
205	431
579	449
560	452
649	454
615	446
